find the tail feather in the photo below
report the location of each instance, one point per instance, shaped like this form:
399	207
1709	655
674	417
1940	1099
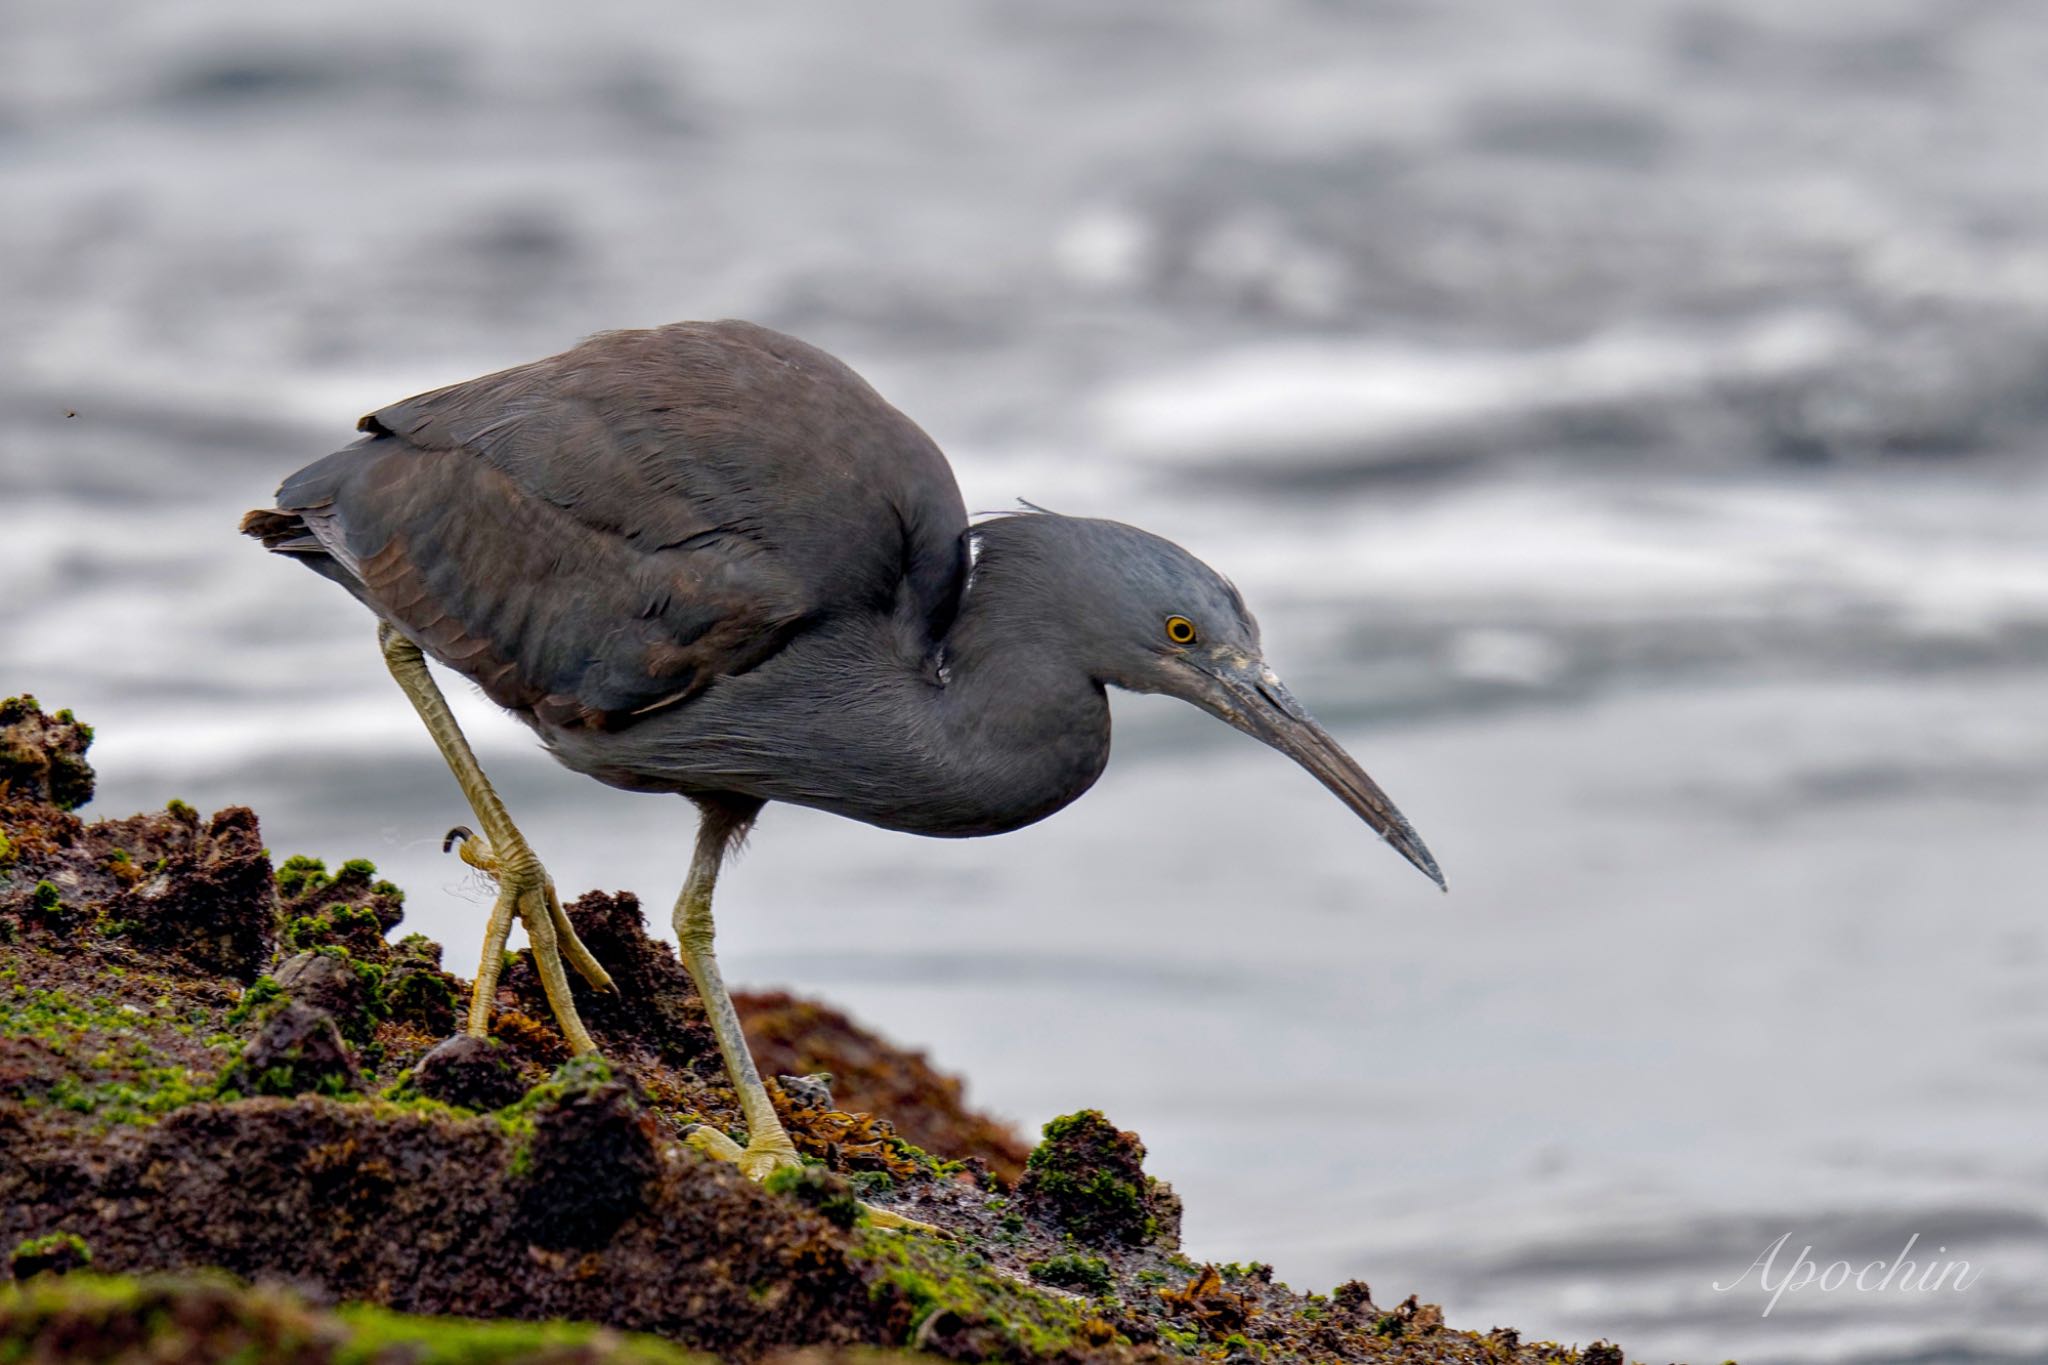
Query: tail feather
278	530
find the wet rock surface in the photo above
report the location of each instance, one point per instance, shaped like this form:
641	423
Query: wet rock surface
207	1064
587	1165
327	984
472	1073
298	1051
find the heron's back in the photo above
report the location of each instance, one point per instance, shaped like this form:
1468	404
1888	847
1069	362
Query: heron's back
604	533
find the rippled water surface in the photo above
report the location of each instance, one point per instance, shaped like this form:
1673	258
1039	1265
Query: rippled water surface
1625	416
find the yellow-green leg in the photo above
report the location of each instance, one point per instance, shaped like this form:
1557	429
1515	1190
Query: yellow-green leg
524	887
768	1146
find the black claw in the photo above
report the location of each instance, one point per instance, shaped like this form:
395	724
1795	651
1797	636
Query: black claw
456	836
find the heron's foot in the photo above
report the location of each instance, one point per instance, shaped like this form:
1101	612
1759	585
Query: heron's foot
899	1222
757	1160
758	1163
525	890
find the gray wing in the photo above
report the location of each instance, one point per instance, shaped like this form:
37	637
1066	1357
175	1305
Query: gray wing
610	530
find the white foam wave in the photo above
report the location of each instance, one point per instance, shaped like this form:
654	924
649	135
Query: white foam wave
1323	399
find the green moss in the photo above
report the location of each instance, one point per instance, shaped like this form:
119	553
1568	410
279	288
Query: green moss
47	897
54	1249
298	873
119	1077
380	1335
333	927
871	1184
931	1277
578	1073
418	948
261	992
372	975
181	810
1085	1274
7	854
402	1099
214	1318
142	1095
426	996
943	1168
818	1189
1087	1176
516	1120
360	867
57	1018
58	768
285	1079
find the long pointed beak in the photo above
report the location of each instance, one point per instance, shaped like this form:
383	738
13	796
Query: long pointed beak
1249	697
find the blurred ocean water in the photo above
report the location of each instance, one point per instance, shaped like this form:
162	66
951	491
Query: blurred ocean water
1627	420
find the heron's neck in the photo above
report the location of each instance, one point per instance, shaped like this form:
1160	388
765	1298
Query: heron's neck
1025	724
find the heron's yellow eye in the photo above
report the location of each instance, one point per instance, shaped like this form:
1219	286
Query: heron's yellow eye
1180	630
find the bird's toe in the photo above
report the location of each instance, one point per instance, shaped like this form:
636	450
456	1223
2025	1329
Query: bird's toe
758	1163
713	1143
893	1221
472	848
755	1162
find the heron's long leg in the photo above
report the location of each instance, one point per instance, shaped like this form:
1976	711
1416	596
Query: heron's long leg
768	1146
524	887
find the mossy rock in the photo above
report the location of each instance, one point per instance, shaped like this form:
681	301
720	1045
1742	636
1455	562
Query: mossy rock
350	908
1082	1274
336	985
585	1155
1088	1178
951	1301
817	1188
298	1051
425	997
55	1253
42	757
215	1318
469	1073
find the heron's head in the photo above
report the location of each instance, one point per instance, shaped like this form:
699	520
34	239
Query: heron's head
1143	614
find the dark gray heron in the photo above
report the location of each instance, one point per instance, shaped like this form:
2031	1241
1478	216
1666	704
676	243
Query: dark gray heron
709	559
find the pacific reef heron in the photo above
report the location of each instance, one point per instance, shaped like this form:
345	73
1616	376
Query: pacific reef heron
709	559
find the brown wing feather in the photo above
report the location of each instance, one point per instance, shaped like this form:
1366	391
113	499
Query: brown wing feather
608	531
